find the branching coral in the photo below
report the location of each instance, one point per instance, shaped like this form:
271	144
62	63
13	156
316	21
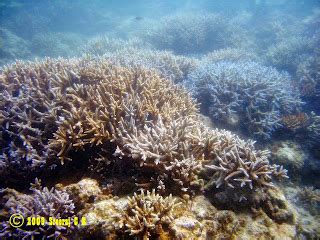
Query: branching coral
191	33
135	52
309	195
78	114
28	112
228	54
314	128
43	202
309	76
172	149
97	110
287	54
170	66
146	214
304	125
295	121
257	95
101	45
56	44
242	167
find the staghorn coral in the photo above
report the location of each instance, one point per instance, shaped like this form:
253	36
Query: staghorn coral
135	52
192	33
295	121
287	54
101	45
146	214
65	121
228	54
243	168
56	44
95	110
170	149
247	91
309	195
42	202
308	74
170	66
313	129
29	110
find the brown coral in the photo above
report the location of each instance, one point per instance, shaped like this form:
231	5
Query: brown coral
295	121
309	195
146	213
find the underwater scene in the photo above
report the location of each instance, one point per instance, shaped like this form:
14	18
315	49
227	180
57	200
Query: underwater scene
163	119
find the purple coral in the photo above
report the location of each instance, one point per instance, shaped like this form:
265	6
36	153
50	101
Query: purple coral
43	202
254	94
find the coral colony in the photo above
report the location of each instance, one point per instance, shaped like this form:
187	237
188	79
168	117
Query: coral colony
253	94
196	126
85	109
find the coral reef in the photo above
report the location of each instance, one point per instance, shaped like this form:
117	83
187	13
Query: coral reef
150	134
286	55
12	47
190	33
306	202
229	54
193	218
255	94
146	214
142	117
135	52
60	44
28	115
295	121
43	202
274	27
313	129
305	127
101	45
244	168
168	65
309	76
310	195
